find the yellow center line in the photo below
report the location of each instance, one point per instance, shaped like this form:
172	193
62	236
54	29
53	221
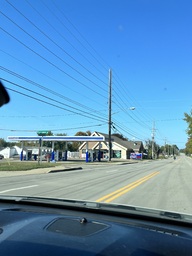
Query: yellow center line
110	197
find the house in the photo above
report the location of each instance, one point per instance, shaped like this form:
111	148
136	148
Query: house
120	148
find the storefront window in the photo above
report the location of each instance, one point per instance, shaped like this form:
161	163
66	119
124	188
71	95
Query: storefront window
116	153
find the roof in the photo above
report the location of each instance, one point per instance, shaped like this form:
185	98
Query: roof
133	145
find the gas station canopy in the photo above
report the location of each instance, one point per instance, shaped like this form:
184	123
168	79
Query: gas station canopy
56	138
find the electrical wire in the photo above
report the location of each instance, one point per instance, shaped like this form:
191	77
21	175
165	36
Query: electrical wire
81	114
59	9
62	129
118	99
61	48
61	59
46	89
61	35
122	129
128	130
58	82
127	93
121	104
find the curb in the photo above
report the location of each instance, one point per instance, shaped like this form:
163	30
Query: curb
128	163
66	169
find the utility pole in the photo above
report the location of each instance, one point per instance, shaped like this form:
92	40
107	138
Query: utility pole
153	138
109	121
165	148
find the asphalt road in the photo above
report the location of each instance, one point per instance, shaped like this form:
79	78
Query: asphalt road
161	184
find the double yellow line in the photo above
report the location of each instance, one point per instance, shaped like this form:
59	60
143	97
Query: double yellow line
110	197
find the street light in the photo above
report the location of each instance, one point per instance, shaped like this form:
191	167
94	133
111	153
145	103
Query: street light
131	108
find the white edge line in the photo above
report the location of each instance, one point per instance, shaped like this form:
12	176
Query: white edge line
8	190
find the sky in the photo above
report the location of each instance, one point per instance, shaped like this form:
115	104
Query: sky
56	55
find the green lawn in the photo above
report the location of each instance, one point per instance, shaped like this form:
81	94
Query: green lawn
23	166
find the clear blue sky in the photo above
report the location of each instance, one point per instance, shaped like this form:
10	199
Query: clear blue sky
63	50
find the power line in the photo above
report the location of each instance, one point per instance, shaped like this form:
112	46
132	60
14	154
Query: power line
62	129
138	120
53	55
59	9
117	96
58	32
121	104
58	82
131	117
128	130
81	114
46	89
116	125
61	48
126	91
50	62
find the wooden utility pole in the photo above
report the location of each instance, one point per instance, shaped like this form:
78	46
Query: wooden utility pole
109	122
153	139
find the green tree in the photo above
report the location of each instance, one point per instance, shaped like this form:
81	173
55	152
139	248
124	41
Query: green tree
4	143
120	136
48	144
157	149
76	144
188	120
60	145
188	149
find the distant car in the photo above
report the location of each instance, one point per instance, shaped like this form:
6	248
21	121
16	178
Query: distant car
1	157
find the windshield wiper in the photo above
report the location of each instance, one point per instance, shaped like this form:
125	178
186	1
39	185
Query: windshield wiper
172	215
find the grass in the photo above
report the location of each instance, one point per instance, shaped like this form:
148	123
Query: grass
23	166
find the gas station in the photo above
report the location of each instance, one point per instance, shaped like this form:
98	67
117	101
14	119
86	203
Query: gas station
42	137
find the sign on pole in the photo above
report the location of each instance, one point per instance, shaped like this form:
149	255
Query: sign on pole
43	133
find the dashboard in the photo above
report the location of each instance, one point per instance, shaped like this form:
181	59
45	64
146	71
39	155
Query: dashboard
34	229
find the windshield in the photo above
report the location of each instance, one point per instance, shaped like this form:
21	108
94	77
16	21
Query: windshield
100	101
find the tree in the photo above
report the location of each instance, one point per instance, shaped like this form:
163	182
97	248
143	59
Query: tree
188	149
170	149
80	133
60	145
48	144
120	136
157	149
76	144
4	143
188	119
